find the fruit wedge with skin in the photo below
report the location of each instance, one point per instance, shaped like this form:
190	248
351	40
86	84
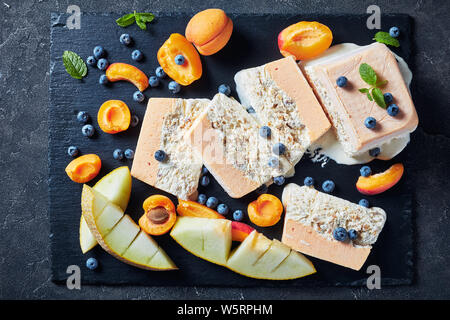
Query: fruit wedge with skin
116	188
261	258
195	209
124	71
209	239
240	231
119	235
380	182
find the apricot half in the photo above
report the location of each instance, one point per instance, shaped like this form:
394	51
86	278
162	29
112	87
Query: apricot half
114	116
380	182
304	40
159	215
195	209
209	30
187	72
84	168
240	231
265	211
124	71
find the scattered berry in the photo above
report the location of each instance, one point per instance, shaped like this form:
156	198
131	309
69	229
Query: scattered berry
102	64
388	98
153	81
88	130
204	181
212	202
73	151
125	39
129	154
138	96
204	171
341	81
223	209
370	122
279	148
364	203
265	132
365	171
392	110
137	55
279	181
394	32
160	155
352	234
160	72
179	59
91	263
201	198
91	61
238	215
340	234
309	181
328	186
273	162
99	52
174	87
134	120
118	154
374	152
83	117
225	89
103	79
251	110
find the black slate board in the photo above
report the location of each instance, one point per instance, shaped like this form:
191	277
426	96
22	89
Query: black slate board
253	43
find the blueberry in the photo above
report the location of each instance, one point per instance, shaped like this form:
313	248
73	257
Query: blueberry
273	162
118	154
328	186
73	151
352	234
83	117
279	148
129	154
179	59
102	64
174	87
374	152
340	234
204	181
370	122
265	132
309	181
364	203
91	263
238	215
153	81
138	96
223	209
212	202
88	130
394	32
204	170
341	81
134	120
160	155
125	39
251	110
103	79
91	61
99	52
392	110
201	198
279	181
388	98
160	72
137	55
365	171
225	89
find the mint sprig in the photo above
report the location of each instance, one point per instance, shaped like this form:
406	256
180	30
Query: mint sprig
141	19
370	77
74	65
385	37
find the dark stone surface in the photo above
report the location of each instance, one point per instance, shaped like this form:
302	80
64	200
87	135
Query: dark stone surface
24	79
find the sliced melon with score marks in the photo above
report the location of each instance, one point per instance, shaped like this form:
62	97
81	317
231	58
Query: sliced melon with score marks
119	235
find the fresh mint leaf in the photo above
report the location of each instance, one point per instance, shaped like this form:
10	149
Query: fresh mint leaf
74	65
369	96
126	20
146	16
385	37
381	83
140	23
367	74
378	97
364	90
